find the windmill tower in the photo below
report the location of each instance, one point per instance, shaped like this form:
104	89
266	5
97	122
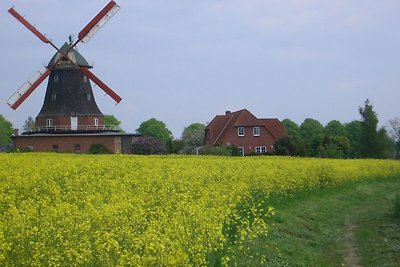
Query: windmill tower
69	104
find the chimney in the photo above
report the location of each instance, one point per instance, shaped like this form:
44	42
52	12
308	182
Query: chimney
16	132
227	112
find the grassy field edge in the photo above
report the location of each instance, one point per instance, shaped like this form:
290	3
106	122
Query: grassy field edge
347	225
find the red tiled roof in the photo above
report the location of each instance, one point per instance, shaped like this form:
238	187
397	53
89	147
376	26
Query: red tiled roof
221	125
274	126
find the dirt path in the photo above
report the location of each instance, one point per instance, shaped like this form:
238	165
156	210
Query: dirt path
351	258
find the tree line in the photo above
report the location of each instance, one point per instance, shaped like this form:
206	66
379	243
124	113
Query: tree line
356	139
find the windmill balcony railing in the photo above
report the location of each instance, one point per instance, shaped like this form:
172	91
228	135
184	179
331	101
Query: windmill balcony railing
79	128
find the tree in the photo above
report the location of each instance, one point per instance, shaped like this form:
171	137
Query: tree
193	136
394	130
6	130
334	128
292	129
334	147
30	125
289	146
312	132
111	121
369	141
155	128
353	133
292	143
387	146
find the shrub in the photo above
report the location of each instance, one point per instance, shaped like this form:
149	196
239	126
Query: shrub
221	151
99	149
148	146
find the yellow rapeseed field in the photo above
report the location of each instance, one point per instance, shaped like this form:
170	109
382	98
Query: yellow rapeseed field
68	210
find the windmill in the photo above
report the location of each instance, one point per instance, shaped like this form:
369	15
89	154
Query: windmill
69	103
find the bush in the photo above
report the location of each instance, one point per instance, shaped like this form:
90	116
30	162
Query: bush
148	146
221	151
99	149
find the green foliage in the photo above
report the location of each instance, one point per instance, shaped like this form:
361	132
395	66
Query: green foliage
156	129
386	145
221	151
292	129
175	146
110	120
353	133
192	137
313	134
289	146
335	147
334	128
6	130
370	147
98	149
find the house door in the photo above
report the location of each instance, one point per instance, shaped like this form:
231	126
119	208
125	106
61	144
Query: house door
74	123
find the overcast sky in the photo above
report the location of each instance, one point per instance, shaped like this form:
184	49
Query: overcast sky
186	61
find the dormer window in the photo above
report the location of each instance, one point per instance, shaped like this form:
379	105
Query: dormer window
240	131
88	97
55	79
53	97
96	122
85	79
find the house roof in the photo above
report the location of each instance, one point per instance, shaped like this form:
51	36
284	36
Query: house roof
221	125
274	126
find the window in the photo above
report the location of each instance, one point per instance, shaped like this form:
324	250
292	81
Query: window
261	149
256	131
88	96
96	122
85	79
55	147
53	97
77	148
241	151
240	131
55	79
49	122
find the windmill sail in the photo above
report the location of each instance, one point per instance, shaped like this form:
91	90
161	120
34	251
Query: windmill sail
97	22
30	27
102	85
28	87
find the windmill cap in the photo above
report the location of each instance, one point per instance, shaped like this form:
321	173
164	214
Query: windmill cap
74	55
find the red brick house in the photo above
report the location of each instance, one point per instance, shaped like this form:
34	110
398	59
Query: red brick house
243	130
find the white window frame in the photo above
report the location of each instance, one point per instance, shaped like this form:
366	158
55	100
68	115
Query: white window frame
96	122
256	131
49	122
85	79
241	151
261	149
55	79
241	131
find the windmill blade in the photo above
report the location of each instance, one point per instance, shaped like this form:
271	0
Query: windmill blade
98	21
28	87
102	85
28	25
